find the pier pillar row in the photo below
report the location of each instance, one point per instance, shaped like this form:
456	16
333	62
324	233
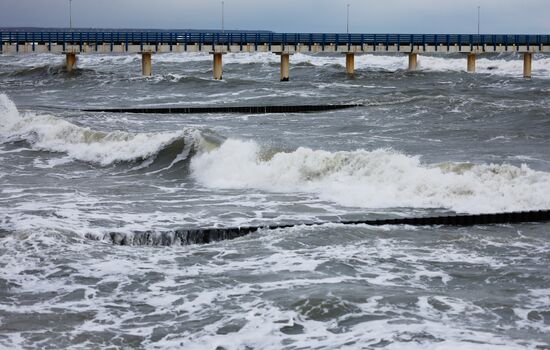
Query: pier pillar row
527	64
146	64
413	61
285	67
218	66
471	63
350	63
70	61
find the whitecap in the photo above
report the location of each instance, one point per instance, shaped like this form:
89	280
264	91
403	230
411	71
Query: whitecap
50	133
381	178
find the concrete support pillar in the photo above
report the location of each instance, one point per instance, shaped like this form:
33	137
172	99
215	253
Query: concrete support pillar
413	61
350	63
70	61
218	66
527	64
285	67
146	64
471	63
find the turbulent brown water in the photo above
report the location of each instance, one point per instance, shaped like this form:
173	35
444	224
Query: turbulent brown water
425	143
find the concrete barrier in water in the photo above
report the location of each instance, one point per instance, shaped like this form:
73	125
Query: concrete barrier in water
70	61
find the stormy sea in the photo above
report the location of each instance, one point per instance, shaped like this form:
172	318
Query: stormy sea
78	190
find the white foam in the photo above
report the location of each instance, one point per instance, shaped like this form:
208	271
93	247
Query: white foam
47	132
380	178
258	308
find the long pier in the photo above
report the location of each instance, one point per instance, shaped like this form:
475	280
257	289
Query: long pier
283	44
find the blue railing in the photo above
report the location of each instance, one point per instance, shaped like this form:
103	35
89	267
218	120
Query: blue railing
265	38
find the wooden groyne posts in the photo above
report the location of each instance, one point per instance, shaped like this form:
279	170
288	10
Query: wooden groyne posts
209	235
282	44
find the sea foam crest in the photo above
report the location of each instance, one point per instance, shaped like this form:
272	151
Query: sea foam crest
49	133
380	178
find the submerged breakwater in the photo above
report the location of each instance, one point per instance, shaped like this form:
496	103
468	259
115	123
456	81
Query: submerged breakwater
229	109
349	207
210	235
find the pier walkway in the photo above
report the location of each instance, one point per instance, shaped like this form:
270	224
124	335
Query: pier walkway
284	44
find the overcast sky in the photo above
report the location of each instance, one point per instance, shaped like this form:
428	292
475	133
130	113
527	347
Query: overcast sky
366	16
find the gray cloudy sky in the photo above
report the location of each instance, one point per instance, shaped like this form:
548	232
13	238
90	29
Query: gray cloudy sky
405	16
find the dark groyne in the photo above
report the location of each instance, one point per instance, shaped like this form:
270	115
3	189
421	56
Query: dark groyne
226	109
209	235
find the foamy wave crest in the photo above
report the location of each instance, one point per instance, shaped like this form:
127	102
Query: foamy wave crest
49	133
374	179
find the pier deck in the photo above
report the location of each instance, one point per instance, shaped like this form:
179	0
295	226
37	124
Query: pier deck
283	44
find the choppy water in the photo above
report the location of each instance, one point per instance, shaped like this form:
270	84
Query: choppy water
432	141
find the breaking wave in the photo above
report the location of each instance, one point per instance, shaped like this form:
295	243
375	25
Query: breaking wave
381	178
50	133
